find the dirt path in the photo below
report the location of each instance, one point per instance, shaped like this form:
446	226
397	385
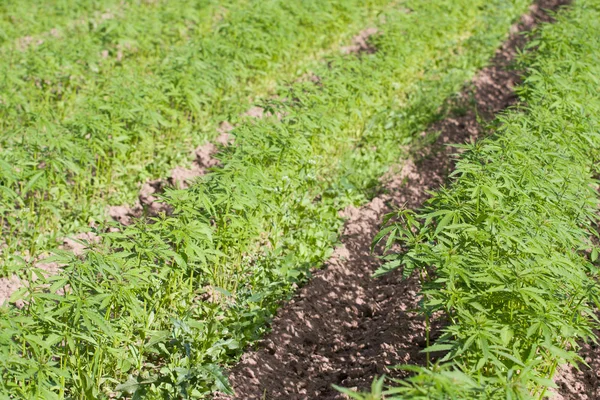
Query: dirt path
343	327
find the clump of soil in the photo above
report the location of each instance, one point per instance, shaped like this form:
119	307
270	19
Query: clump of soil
148	204
344	327
360	43
258	112
9	285
310	77
80	242
255	112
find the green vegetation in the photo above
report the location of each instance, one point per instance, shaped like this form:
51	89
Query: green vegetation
158	307
98	108
505	252
24	19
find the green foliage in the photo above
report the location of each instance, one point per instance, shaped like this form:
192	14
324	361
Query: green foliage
95	108
25	20
158	308
503	252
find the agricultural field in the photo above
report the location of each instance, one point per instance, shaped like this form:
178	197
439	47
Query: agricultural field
143	81
172	172
514	238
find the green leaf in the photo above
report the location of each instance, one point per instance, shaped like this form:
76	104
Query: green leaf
221	382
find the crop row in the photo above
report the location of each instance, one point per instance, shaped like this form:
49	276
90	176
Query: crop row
505	252
21	19
91	112
157	308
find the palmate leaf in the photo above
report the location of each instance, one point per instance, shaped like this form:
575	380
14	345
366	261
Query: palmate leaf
352	394
32	182
18	294
448	217
388	267
438	347
388	230
376	390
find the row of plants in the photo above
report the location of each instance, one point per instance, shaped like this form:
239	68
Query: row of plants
27	18
96	109
157	309
507	253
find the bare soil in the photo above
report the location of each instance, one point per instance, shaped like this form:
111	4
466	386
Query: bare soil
344	327
10	284
360	43
581	383
77	244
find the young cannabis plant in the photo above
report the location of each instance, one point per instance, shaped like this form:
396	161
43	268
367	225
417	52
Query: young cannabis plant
503	251
159	308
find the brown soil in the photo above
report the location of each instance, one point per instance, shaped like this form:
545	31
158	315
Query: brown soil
8	286
344	327
80	243
149	205
258	112
582	383
11	284
255	112
360	43
77	244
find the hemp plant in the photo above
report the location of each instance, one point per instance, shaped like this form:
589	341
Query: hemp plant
505	251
